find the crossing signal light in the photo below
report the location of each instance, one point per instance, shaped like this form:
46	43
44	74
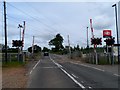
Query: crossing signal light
92	41
110	41
99	41
17	43
96	41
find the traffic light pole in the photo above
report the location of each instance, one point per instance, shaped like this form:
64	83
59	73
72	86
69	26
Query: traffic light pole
95	54
112	60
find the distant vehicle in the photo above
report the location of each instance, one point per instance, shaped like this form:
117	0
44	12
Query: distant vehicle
46	54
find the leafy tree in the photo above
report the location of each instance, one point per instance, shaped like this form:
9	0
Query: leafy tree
78	47
45	49
36	49
57	42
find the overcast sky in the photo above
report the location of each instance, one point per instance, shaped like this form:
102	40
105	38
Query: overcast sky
45	19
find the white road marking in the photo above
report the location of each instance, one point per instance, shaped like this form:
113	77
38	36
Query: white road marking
89	66
74	76
36	64
34	67
49	67
89	87
68	74
31	71
98	69
117	75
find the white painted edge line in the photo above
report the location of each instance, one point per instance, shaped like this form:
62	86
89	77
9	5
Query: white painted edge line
36	64
117	75
31	71
88	66
68	74
34	67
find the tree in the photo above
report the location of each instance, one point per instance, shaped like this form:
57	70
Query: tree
78	48
45	49
36	49
57	42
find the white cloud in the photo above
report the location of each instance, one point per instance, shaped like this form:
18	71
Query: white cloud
102	22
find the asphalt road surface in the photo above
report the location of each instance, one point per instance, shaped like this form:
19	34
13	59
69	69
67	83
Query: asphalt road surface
48	73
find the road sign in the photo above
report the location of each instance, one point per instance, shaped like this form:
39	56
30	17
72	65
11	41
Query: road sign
107	33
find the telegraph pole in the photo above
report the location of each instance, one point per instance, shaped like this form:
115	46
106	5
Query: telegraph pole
69	47
33	45
5	27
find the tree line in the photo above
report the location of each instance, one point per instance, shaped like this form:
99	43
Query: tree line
56	47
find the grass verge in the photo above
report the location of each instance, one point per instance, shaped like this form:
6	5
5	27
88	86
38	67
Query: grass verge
13	64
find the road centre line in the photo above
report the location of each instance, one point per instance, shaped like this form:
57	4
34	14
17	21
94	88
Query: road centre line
89	87
79	84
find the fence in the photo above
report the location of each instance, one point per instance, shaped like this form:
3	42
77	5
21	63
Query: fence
102	58
13	57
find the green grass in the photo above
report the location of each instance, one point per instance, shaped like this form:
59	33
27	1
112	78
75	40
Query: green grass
13	64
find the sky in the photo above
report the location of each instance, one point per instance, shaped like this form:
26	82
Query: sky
46	19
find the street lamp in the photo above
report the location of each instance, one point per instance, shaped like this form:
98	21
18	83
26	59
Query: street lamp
117	30
20	26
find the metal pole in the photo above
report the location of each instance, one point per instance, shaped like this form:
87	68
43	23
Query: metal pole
20	33
117	31
23	34
87	39
5	25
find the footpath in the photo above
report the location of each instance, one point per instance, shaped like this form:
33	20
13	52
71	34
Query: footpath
16	77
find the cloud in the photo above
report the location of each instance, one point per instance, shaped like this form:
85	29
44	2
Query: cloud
102	22
45	37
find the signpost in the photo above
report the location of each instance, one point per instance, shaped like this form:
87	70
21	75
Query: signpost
109	42
107	33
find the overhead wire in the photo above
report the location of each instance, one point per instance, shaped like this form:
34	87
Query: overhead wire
48	19
32	17
44	16
32	26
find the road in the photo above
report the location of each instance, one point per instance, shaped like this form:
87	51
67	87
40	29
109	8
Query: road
49	73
